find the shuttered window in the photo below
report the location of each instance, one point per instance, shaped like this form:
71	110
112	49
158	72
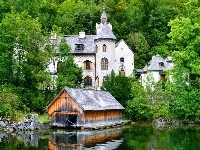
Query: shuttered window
87	65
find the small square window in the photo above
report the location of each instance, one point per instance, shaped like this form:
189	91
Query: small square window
79	47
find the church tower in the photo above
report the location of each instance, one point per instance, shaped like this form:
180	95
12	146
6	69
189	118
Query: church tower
105	49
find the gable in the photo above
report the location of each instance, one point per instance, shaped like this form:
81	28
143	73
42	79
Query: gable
65	103
157	64
122	44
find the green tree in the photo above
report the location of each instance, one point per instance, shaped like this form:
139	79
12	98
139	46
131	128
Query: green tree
74	16
119	86
141	49
139	108
24	53
184	36
69	74
185	98
9	102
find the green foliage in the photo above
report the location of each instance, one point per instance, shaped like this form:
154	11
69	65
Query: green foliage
118	86
184	36
139	108
185	98
22	40
141	48
69	74
44	118
9	102
145	25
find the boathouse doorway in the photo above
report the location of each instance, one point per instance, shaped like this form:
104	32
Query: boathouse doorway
67	120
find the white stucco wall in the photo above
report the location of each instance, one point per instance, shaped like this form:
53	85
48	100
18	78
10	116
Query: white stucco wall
149	78
52	67
122	50
79	60
109	54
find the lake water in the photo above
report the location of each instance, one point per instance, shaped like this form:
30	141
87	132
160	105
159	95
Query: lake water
131	137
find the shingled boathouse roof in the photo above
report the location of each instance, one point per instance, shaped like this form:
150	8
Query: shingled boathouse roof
80	107
92	99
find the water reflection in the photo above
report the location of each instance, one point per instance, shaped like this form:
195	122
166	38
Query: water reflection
108	139
138	136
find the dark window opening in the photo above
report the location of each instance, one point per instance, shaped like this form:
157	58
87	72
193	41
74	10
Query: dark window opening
96	48
161	63
104	48
122	59
87	65
79	47
87	81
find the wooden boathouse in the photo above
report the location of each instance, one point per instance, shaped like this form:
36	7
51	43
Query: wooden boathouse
75	107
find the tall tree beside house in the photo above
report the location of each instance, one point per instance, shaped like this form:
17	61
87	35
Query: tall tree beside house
69	74
141	49
24	53
119	86
184	98
184	37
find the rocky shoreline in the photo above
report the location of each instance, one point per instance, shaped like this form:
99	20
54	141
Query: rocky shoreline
29	123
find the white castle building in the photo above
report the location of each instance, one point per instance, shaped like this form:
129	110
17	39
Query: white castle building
99	54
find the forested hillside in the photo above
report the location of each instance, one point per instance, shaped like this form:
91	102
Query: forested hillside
165	27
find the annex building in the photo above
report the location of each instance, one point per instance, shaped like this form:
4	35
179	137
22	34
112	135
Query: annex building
98	54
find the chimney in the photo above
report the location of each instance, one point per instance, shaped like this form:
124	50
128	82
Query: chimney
81	34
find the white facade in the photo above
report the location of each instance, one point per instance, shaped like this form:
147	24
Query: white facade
79	60
154	71
99	54
124	58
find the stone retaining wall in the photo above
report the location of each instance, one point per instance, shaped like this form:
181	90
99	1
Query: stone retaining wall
30	122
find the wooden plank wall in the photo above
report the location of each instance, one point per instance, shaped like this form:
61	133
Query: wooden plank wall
102	117
64	103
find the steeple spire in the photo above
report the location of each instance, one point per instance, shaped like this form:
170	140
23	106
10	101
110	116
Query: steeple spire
103	16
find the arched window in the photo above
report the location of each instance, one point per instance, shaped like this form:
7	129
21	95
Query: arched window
104	64
96	48
122	72
87	65
88	81
104	48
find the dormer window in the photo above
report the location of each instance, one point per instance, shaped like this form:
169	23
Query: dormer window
79	47
161	63
104	47
122	60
